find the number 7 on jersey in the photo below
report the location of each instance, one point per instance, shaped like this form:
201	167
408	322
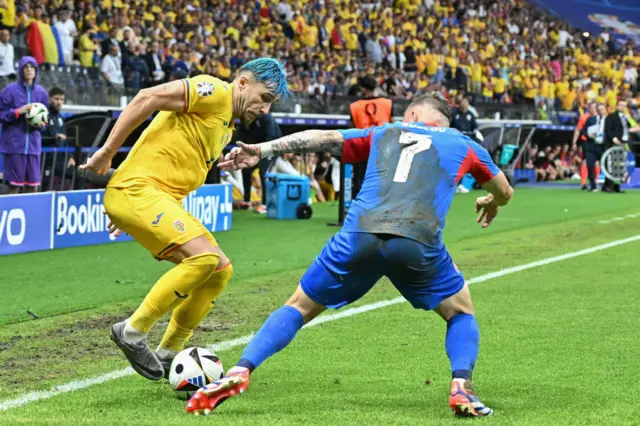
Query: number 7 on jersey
415	143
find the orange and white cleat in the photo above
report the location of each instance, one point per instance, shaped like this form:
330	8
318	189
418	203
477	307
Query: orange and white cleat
208	398
464	401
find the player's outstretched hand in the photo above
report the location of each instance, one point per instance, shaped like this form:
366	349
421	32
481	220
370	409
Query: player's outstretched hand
99	163
113	230
487	210
241	158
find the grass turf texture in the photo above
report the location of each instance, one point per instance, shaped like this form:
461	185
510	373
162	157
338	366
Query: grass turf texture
557	341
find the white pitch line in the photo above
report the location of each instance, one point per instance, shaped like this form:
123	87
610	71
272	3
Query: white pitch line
229	344
614	219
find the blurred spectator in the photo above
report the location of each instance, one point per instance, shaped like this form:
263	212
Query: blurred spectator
20	144
55	129
283	164
264	129
580	135
503	51
111	40
463	119
317	90
373	49
67	31
111	68
325	169
154	63
594	145
7	65
55	132
87	48
7	14
140	75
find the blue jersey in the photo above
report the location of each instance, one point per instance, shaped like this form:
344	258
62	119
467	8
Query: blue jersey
412	173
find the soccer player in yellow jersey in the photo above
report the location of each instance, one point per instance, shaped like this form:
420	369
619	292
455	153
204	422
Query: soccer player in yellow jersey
144	197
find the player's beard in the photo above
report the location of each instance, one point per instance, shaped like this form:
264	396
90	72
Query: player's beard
248	117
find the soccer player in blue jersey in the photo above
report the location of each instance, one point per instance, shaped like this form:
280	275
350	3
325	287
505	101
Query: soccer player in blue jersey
393	229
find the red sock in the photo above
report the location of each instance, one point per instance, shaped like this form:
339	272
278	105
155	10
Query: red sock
597	172
584	174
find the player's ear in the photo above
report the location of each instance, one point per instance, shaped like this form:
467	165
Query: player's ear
243	81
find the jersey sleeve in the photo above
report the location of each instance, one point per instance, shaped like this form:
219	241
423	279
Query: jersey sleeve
205	94
478	162
357	144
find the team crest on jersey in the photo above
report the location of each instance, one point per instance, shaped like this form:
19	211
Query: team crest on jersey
204	88
179	225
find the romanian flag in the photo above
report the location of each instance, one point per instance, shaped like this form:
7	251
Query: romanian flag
44	43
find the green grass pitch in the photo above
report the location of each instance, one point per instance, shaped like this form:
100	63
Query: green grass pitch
559	342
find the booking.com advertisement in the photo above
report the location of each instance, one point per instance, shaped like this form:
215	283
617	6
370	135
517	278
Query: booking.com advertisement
75	218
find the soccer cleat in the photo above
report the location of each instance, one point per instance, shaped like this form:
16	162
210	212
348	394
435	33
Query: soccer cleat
166	364
464	401
142	359
208	398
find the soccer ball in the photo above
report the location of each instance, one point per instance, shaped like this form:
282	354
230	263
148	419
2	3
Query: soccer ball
37	114
192	369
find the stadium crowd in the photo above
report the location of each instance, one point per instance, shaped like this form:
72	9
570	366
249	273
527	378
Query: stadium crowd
498	50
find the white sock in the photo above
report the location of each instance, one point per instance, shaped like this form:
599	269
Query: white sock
163	353
236	370
132	335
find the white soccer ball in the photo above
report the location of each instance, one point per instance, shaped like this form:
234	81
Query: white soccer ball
192	369
37	114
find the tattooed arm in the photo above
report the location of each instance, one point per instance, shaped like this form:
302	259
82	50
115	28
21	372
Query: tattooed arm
307	141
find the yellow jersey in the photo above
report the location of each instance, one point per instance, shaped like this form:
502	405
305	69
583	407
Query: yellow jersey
176	151
499	85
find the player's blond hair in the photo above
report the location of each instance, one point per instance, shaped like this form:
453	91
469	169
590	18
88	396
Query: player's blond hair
434	100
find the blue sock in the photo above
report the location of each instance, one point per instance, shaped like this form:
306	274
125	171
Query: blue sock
462	342
274	335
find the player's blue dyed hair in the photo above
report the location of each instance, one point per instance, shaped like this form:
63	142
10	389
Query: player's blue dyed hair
270	72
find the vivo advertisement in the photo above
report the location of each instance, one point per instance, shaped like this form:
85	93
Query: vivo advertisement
54	220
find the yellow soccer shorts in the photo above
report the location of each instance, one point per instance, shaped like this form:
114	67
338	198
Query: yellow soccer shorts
153	218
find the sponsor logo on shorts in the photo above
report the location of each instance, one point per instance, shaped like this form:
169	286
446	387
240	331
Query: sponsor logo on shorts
179	225
204	89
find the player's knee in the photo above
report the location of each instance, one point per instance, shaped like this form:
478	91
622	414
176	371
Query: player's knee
197	246
203	264
220	277
459	303
303	303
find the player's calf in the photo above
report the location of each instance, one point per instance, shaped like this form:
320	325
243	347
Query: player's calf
462	344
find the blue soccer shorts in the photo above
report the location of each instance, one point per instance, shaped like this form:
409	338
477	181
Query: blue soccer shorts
351	263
